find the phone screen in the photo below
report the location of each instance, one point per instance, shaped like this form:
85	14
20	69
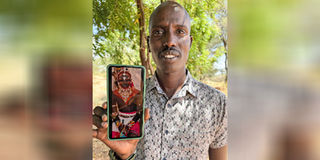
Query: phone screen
125	101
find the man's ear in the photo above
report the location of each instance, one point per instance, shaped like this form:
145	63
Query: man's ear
191	39
148	41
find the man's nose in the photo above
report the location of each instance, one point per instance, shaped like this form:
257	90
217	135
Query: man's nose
170	39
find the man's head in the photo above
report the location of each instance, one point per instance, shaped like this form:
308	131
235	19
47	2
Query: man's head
124	79
170	39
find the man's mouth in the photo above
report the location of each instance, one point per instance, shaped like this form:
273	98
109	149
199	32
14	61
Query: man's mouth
170	56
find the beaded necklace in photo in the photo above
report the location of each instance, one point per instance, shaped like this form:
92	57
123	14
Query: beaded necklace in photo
125	93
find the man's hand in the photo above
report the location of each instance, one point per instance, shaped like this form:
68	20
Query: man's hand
123	148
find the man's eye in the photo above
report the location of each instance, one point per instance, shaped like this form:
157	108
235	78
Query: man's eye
157	33
181	31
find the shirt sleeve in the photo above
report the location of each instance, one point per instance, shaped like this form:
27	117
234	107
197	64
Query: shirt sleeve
220	134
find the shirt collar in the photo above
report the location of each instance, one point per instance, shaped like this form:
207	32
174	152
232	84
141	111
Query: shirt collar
188	86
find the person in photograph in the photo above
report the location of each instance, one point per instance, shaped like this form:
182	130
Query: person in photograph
126	107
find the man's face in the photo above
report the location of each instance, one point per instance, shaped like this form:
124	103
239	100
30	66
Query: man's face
170	38
124	81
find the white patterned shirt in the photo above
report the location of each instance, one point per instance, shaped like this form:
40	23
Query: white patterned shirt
184	126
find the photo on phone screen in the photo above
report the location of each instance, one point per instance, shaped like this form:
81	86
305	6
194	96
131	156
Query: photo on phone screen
125	101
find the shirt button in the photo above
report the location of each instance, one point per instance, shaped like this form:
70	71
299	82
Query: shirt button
166	131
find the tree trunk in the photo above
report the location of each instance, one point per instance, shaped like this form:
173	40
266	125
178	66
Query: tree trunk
143	58
226	59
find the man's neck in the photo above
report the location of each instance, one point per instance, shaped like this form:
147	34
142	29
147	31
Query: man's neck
171	82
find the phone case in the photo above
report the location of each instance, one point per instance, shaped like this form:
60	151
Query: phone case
109	103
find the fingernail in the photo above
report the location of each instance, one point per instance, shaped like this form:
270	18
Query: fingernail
104	124
104	117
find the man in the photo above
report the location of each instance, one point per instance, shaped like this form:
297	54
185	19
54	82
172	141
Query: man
126	106
188	118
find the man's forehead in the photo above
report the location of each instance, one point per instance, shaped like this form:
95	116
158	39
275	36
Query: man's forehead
179	20
172	12
169	10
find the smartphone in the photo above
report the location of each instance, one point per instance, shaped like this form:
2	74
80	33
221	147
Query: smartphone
126	94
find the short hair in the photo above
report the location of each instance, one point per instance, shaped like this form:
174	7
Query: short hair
163	4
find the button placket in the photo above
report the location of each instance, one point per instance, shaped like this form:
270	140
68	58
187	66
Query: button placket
165	129
167	126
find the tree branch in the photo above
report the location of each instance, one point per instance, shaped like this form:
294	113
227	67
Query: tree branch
142	35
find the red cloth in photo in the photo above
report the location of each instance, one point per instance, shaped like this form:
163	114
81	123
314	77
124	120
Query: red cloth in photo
135	128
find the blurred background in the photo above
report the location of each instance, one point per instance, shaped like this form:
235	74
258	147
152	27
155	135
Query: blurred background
45	79
274	94
273	79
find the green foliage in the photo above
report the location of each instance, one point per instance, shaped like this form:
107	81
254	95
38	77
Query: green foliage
116	31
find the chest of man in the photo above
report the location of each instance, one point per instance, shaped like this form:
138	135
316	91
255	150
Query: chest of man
178	128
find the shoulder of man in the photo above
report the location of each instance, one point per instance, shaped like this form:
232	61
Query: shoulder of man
203	89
